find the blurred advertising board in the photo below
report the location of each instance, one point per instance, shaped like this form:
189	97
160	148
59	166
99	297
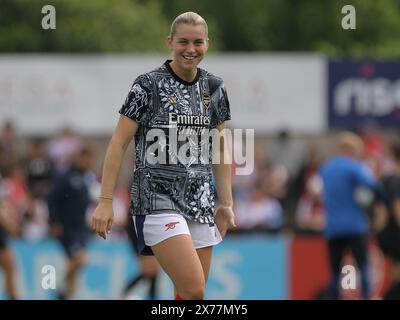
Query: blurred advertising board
269	92
364	93
44	93
244	267
310	272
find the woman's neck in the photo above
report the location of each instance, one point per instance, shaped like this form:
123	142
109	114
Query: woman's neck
188	76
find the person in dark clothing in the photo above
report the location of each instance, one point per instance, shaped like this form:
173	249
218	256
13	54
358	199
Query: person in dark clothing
389	235
148	265
68	202
39	170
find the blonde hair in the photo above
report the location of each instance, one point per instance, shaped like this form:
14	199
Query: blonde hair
189	17
350	143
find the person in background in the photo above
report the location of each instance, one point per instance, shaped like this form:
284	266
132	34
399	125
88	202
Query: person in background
123	227
39	172
68	202
346	221
8	152
259	211
389	230
148	265
307	191
62	147
8	227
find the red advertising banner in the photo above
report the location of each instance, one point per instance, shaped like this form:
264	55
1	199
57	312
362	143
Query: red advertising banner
310	273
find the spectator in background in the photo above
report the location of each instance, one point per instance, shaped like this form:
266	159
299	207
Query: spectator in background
62	148
8	227
243	184
8	155
346	221
307	194
38	172
68	202
32	213
373	141
15	189
259	211
284	158
389	233
148	265
123	228
375	147
284	151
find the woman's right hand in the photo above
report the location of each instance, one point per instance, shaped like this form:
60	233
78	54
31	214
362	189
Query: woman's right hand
102	218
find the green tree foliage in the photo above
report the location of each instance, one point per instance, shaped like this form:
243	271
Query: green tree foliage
299	25
82	26
234	25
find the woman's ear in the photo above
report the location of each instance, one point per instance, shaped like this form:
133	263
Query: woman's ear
208	43
169	42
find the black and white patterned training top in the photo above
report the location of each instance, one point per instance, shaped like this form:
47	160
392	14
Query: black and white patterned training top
172	170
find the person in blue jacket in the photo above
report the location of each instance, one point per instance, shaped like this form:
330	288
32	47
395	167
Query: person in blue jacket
347	227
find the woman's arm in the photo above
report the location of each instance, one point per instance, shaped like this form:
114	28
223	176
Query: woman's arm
103	216
224	217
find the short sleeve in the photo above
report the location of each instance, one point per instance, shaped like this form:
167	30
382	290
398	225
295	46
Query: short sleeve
136	105
363	174
222	110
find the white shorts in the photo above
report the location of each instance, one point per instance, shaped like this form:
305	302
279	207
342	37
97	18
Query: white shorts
155	228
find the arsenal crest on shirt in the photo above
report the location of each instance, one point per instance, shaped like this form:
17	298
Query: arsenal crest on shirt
206	100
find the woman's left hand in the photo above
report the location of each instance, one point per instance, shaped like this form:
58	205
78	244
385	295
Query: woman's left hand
224	219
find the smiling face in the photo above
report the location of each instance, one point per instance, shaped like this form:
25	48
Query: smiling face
188	44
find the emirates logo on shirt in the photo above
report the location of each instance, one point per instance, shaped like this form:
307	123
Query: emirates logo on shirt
189	124
188	120
171	225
